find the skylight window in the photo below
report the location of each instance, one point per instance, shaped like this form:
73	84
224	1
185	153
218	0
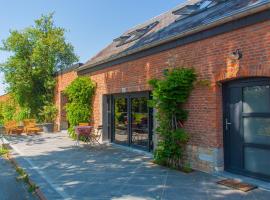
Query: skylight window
196	8
135	35
205	4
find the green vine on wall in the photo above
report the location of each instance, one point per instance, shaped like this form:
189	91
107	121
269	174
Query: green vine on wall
169	96
79	107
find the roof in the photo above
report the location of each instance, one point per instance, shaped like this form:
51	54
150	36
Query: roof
69	69
173	24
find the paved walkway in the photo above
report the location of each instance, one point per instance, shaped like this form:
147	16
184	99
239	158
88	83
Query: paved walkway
64	171
10	189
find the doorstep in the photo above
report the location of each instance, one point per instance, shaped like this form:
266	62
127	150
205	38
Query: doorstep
131	149
261	184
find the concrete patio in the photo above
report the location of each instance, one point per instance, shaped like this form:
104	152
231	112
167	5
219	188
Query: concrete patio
65	171
10	188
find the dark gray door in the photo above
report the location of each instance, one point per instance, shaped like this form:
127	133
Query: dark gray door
247	127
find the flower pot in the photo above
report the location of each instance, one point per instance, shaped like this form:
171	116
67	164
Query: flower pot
48	127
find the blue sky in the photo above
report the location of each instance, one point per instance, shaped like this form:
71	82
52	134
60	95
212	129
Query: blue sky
91	24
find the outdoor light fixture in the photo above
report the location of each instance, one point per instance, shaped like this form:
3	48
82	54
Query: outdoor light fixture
237	54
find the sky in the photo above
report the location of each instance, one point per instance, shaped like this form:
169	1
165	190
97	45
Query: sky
91	24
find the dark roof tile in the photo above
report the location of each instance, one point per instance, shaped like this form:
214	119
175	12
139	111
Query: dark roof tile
171	25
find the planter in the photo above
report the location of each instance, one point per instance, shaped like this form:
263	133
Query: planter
48	127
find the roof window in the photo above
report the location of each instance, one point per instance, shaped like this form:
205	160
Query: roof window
134	35
196	8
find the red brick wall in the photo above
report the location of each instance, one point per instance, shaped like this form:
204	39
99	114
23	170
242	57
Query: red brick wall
211	60
62	81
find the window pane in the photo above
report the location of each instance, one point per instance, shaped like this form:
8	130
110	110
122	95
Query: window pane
257	130
256	99
121	120
257	160
139	112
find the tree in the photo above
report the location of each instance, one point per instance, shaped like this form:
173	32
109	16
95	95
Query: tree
37	53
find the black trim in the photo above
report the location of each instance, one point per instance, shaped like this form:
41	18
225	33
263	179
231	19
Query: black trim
68	69
261	115
227	27
226	149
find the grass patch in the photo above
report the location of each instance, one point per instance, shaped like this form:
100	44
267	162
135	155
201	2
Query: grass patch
23	176
3	151
32	188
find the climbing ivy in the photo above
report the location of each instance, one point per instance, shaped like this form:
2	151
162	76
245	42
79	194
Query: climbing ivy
169	96
79	107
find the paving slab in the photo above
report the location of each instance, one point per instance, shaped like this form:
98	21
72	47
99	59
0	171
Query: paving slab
10	188
103	172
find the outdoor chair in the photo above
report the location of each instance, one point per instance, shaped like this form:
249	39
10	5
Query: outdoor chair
97	134
30	126
83	124
89	133
83	132
12	127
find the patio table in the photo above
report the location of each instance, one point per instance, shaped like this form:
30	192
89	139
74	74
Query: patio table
83	131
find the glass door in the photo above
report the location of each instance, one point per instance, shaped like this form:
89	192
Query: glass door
132	120
139	122
121	130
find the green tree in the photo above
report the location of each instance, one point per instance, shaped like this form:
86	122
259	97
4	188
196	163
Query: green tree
37	52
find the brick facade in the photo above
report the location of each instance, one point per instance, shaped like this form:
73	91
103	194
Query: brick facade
212	61
62	81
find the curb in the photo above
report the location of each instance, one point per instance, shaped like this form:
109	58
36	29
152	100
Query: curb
37	191
56	188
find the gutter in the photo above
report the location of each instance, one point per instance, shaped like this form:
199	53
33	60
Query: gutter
237	15
73	67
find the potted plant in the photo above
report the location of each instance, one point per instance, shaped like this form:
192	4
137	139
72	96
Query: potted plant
49	113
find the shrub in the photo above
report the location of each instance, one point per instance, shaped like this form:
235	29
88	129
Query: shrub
79	107
3	150
169	96
8	110
49	113
22	114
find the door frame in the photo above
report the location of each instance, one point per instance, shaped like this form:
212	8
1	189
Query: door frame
130	95
244	82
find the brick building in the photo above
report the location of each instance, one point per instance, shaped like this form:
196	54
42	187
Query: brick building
228	44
